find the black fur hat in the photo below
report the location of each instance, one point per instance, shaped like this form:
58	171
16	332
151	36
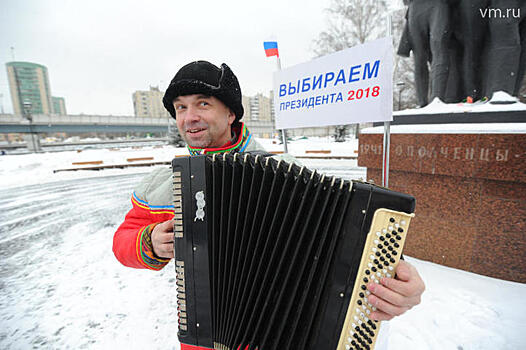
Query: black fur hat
202	77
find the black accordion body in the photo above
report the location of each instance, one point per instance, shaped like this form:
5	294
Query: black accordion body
271	255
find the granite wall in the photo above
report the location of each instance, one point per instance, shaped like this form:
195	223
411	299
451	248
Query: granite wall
471	197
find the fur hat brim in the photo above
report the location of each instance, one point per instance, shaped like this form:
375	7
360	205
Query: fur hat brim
202	77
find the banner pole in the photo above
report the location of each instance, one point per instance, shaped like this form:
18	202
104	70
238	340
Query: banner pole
283	131
387	131
386	147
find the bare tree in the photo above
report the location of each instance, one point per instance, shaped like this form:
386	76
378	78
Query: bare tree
351	22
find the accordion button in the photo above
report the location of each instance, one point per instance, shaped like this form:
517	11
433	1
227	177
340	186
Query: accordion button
367	272
402	222
392	219
365	280
360	302
361	296
400	230
397	245
398	237
394	252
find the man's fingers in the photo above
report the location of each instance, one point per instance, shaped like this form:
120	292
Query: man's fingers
166	251
388	295
166	237
163	239
380	316
400	287
167	226
404	270
385	307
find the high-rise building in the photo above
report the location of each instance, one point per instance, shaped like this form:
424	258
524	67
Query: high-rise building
259	116
59	105
149	104
258	107
29	84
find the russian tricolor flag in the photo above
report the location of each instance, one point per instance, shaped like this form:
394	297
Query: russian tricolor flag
271	48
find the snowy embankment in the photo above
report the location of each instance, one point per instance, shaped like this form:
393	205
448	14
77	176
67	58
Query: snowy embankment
38	168
61	287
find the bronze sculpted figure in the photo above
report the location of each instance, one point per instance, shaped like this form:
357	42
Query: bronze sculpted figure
474	47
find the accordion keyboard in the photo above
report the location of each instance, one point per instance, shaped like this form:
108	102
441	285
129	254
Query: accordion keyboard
379	259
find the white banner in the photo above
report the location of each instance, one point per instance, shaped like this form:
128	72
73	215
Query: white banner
354	85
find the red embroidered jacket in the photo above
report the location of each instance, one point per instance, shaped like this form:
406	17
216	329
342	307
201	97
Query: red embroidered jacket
152	204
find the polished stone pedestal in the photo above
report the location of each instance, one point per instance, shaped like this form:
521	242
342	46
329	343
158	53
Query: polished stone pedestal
469	181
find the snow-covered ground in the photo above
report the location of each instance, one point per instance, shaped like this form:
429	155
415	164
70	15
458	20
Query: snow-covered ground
61	287
499	102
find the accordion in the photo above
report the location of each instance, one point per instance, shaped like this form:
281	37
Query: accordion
271	255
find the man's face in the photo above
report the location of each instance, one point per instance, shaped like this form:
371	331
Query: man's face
203	121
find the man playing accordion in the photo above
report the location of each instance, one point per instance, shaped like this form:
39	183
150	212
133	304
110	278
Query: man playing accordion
205	101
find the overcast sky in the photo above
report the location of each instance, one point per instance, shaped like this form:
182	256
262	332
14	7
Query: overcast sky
99	52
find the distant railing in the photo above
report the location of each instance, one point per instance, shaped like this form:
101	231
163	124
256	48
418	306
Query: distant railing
43	119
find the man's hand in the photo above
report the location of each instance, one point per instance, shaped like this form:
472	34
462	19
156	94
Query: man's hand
163	239
393	297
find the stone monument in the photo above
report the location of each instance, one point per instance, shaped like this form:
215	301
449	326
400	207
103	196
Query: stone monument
474	47
465	163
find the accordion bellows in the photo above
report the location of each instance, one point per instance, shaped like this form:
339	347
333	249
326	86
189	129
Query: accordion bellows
270	255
